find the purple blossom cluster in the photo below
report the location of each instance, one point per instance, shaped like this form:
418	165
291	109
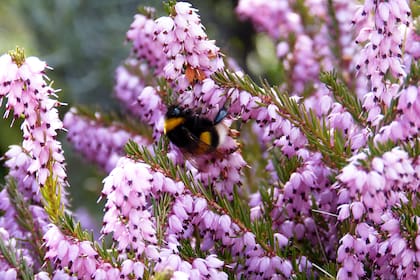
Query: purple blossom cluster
382	61
28	94
176	45
139	97
179	49
274	17
8	272
310	49
97	142
129	217
186	61
35	163
368	197
307	215
191	214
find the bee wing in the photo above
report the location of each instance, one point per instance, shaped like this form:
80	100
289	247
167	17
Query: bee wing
203	154
200	147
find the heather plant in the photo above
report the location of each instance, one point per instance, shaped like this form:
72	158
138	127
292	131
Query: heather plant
317	179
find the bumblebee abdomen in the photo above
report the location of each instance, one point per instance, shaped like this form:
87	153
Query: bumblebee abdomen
192	133
179	136
210	137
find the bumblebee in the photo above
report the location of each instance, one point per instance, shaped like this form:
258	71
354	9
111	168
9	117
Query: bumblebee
192	133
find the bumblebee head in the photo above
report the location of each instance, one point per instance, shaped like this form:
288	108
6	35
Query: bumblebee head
174	117
173	112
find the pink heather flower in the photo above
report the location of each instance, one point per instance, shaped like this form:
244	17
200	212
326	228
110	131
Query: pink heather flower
42	276
78	258
412	46
306	68
305	265
224	172
19	249
141	100
398	253
129	267
192	57
210	267
7	221
383	181
10	229
292	215
368	237
29	95
10	274
176	46
347	255
144	46
129	217
407	124
269	124
98	142
18	162
282	49
371	195
274	17
311	51
191	214
357	210
382	28
153	110
338	118
128	86
127	189
189	59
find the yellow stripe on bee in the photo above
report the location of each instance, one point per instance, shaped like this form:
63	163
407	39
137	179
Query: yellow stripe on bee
172	123
205	137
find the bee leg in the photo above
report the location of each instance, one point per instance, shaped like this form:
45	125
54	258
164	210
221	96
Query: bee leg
234	133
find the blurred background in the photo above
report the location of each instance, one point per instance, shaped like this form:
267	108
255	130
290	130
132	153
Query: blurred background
84	42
